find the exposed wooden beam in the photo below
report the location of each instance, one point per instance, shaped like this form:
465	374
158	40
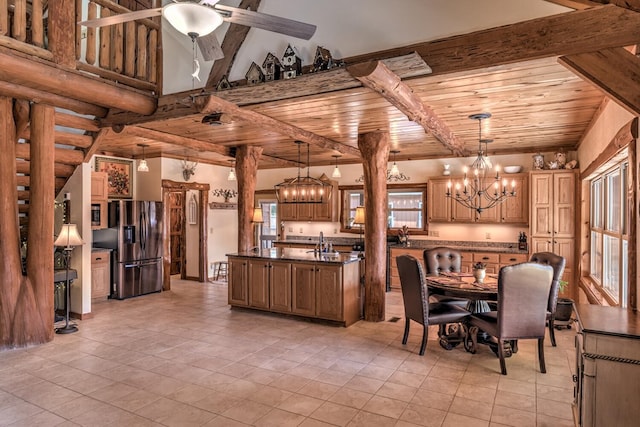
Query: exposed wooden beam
48	78
233	39
215	104
194	144
564	34
21	115
376	76
65	138
93	149
76	122
574	4
616	72
61	155
59	169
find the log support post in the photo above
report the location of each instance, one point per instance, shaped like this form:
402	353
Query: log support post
374	147
247	158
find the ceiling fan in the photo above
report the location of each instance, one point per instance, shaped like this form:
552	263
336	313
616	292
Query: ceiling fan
198	20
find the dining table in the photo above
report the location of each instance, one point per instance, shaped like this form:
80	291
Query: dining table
480	296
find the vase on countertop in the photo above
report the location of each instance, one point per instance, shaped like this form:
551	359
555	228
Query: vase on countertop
479	274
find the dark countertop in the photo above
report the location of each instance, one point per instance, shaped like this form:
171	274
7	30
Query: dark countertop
291	254
608	320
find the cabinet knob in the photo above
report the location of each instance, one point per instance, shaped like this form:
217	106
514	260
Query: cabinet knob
485	257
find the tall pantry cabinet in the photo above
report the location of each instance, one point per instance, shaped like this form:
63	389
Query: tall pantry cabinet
553	216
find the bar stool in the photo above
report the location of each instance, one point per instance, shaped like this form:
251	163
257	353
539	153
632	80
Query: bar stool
220	270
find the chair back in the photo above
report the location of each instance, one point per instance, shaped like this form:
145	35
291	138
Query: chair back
442	259
558	263
523	292
414	290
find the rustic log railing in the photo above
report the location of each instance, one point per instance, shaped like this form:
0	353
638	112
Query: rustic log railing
128	53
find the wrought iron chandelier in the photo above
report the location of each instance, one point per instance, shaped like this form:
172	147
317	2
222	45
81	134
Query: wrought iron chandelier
479	191
393	174
303	189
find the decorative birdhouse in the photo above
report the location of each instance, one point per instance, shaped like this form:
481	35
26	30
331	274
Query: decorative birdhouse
323	59
223	84
255	75
272	68
291	63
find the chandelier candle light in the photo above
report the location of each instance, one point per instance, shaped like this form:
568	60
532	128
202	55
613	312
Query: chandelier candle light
303	189
479	191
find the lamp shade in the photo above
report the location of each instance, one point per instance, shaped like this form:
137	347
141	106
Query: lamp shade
69	237
142	166
194	18
257	215
359	219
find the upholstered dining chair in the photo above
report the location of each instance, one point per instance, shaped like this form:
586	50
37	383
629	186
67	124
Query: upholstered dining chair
415	295
523	292
558	263
442	259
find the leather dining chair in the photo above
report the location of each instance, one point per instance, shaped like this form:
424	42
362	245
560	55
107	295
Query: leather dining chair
523	292
558	263
415	295
442	259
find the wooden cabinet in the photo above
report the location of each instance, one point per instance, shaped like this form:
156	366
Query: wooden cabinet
514	210
490	259
509	259
258	271
238	283
312	211
99	195
269	284
100	274
317	290
607	372
303	285
553	210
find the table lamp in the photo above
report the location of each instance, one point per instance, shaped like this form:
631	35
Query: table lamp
68	239
359	220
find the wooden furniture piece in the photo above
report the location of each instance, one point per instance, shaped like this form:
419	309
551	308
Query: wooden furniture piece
514	210
100	274
99	197
607	378
298	282
523	292
219	270
553	216
558	263
415	296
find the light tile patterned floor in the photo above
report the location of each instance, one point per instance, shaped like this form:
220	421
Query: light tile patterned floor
183	358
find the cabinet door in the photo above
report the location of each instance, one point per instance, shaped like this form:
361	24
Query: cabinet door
564	204
280	286
305	212
515	210
303	289
100	277
259	283
491	215
438	204
461	213
237	283
99	186
565	248
288	211
323	211
541	204
541	244
329	292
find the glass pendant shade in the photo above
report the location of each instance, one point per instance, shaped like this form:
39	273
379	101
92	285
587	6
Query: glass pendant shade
69	237
188	17
142	166
232	175
395	172
336	172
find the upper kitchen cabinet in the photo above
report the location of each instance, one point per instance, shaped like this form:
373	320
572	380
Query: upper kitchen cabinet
99	195
513	210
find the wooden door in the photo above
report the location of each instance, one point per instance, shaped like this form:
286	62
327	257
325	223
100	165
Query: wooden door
515	210
541	205
237	281
438	205
303	289
329	292
177	231
280	286
564	204
258	283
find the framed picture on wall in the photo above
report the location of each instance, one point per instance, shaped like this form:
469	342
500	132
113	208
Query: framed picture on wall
120	176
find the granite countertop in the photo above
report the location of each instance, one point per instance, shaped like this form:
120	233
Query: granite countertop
291	254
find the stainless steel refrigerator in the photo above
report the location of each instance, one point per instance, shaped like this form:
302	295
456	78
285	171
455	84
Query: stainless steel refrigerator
135	236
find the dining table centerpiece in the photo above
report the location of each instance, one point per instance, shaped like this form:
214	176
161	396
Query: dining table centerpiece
479	271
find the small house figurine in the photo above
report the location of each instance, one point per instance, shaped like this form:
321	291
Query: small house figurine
323	59
223	84
254	75
272	68
291	63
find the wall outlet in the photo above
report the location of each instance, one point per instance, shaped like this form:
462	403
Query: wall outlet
487	236
300	230
434	233
290	229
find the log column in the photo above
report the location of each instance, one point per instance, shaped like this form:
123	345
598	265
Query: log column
247	158
374	147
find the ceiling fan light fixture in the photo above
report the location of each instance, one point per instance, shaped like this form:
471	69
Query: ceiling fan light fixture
189	18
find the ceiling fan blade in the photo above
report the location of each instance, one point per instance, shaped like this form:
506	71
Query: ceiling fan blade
123	17
210	47
267	22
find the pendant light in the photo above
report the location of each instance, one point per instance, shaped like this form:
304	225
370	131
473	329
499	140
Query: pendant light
336	172
142	166
303	189
232	172
395	172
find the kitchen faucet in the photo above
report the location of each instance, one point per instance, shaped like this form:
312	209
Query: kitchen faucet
321	242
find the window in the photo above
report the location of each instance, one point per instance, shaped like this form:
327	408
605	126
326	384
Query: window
405	206
608	231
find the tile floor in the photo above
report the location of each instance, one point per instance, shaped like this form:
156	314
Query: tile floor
183	358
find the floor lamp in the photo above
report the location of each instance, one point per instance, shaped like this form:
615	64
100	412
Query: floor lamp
68	238
359	220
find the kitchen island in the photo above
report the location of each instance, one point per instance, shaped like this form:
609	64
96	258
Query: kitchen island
299	282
